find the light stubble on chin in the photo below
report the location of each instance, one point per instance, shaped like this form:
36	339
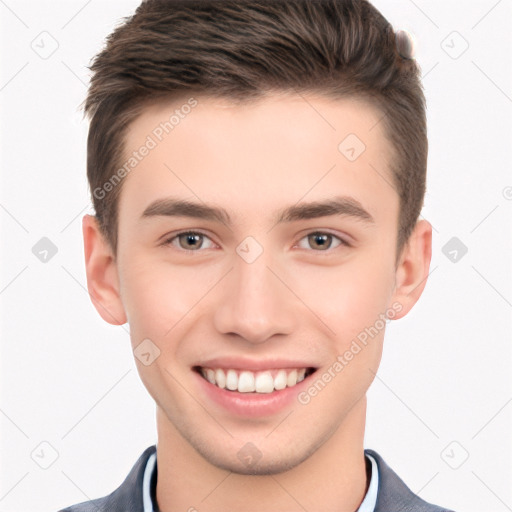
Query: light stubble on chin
269	464
266	466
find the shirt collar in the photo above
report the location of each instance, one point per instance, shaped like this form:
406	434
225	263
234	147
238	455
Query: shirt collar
147	499
149	484
370	500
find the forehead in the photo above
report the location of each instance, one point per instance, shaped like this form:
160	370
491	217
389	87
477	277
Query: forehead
283	144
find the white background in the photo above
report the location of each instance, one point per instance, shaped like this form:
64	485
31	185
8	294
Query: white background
443	391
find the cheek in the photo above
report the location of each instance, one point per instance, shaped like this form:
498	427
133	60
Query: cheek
347	298
153	298
161	299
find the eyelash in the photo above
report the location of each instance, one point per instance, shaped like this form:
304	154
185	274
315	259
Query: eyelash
169	241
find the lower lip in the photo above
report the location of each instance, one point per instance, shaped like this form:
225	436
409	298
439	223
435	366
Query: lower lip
252	405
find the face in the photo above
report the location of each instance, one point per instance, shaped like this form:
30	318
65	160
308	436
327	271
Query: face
256	269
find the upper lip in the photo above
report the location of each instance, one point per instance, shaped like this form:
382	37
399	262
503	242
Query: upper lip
237	363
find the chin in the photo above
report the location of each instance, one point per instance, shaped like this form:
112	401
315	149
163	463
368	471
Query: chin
259	468
271	459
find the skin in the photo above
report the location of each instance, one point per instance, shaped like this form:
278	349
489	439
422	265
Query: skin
297	299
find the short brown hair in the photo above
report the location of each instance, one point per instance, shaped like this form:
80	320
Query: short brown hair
242	50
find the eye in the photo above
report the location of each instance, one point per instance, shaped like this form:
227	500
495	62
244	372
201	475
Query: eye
323	240
192	241
188	240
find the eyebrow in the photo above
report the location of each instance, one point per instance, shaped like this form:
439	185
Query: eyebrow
340	205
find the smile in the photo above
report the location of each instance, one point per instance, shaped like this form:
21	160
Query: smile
246	381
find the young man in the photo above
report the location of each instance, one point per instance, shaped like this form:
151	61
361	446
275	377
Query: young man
257	171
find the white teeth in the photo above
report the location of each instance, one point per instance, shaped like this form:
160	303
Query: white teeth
210	375
232	380
280	380
264	382
250	382
292	378
220	377
246	382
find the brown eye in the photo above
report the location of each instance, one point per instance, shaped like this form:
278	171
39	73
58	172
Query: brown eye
322	241
188	241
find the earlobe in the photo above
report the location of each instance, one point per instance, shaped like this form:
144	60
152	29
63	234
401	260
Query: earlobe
102	276
413	268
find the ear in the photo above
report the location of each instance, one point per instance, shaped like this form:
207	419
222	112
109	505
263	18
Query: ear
102	276
412	270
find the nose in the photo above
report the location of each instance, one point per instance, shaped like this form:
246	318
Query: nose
255	302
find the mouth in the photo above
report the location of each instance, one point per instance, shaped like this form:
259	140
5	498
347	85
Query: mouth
255	382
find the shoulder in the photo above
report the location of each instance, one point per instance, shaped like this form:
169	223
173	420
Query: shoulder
126	498
394	495
96	505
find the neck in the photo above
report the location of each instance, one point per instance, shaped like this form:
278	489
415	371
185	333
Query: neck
334	477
